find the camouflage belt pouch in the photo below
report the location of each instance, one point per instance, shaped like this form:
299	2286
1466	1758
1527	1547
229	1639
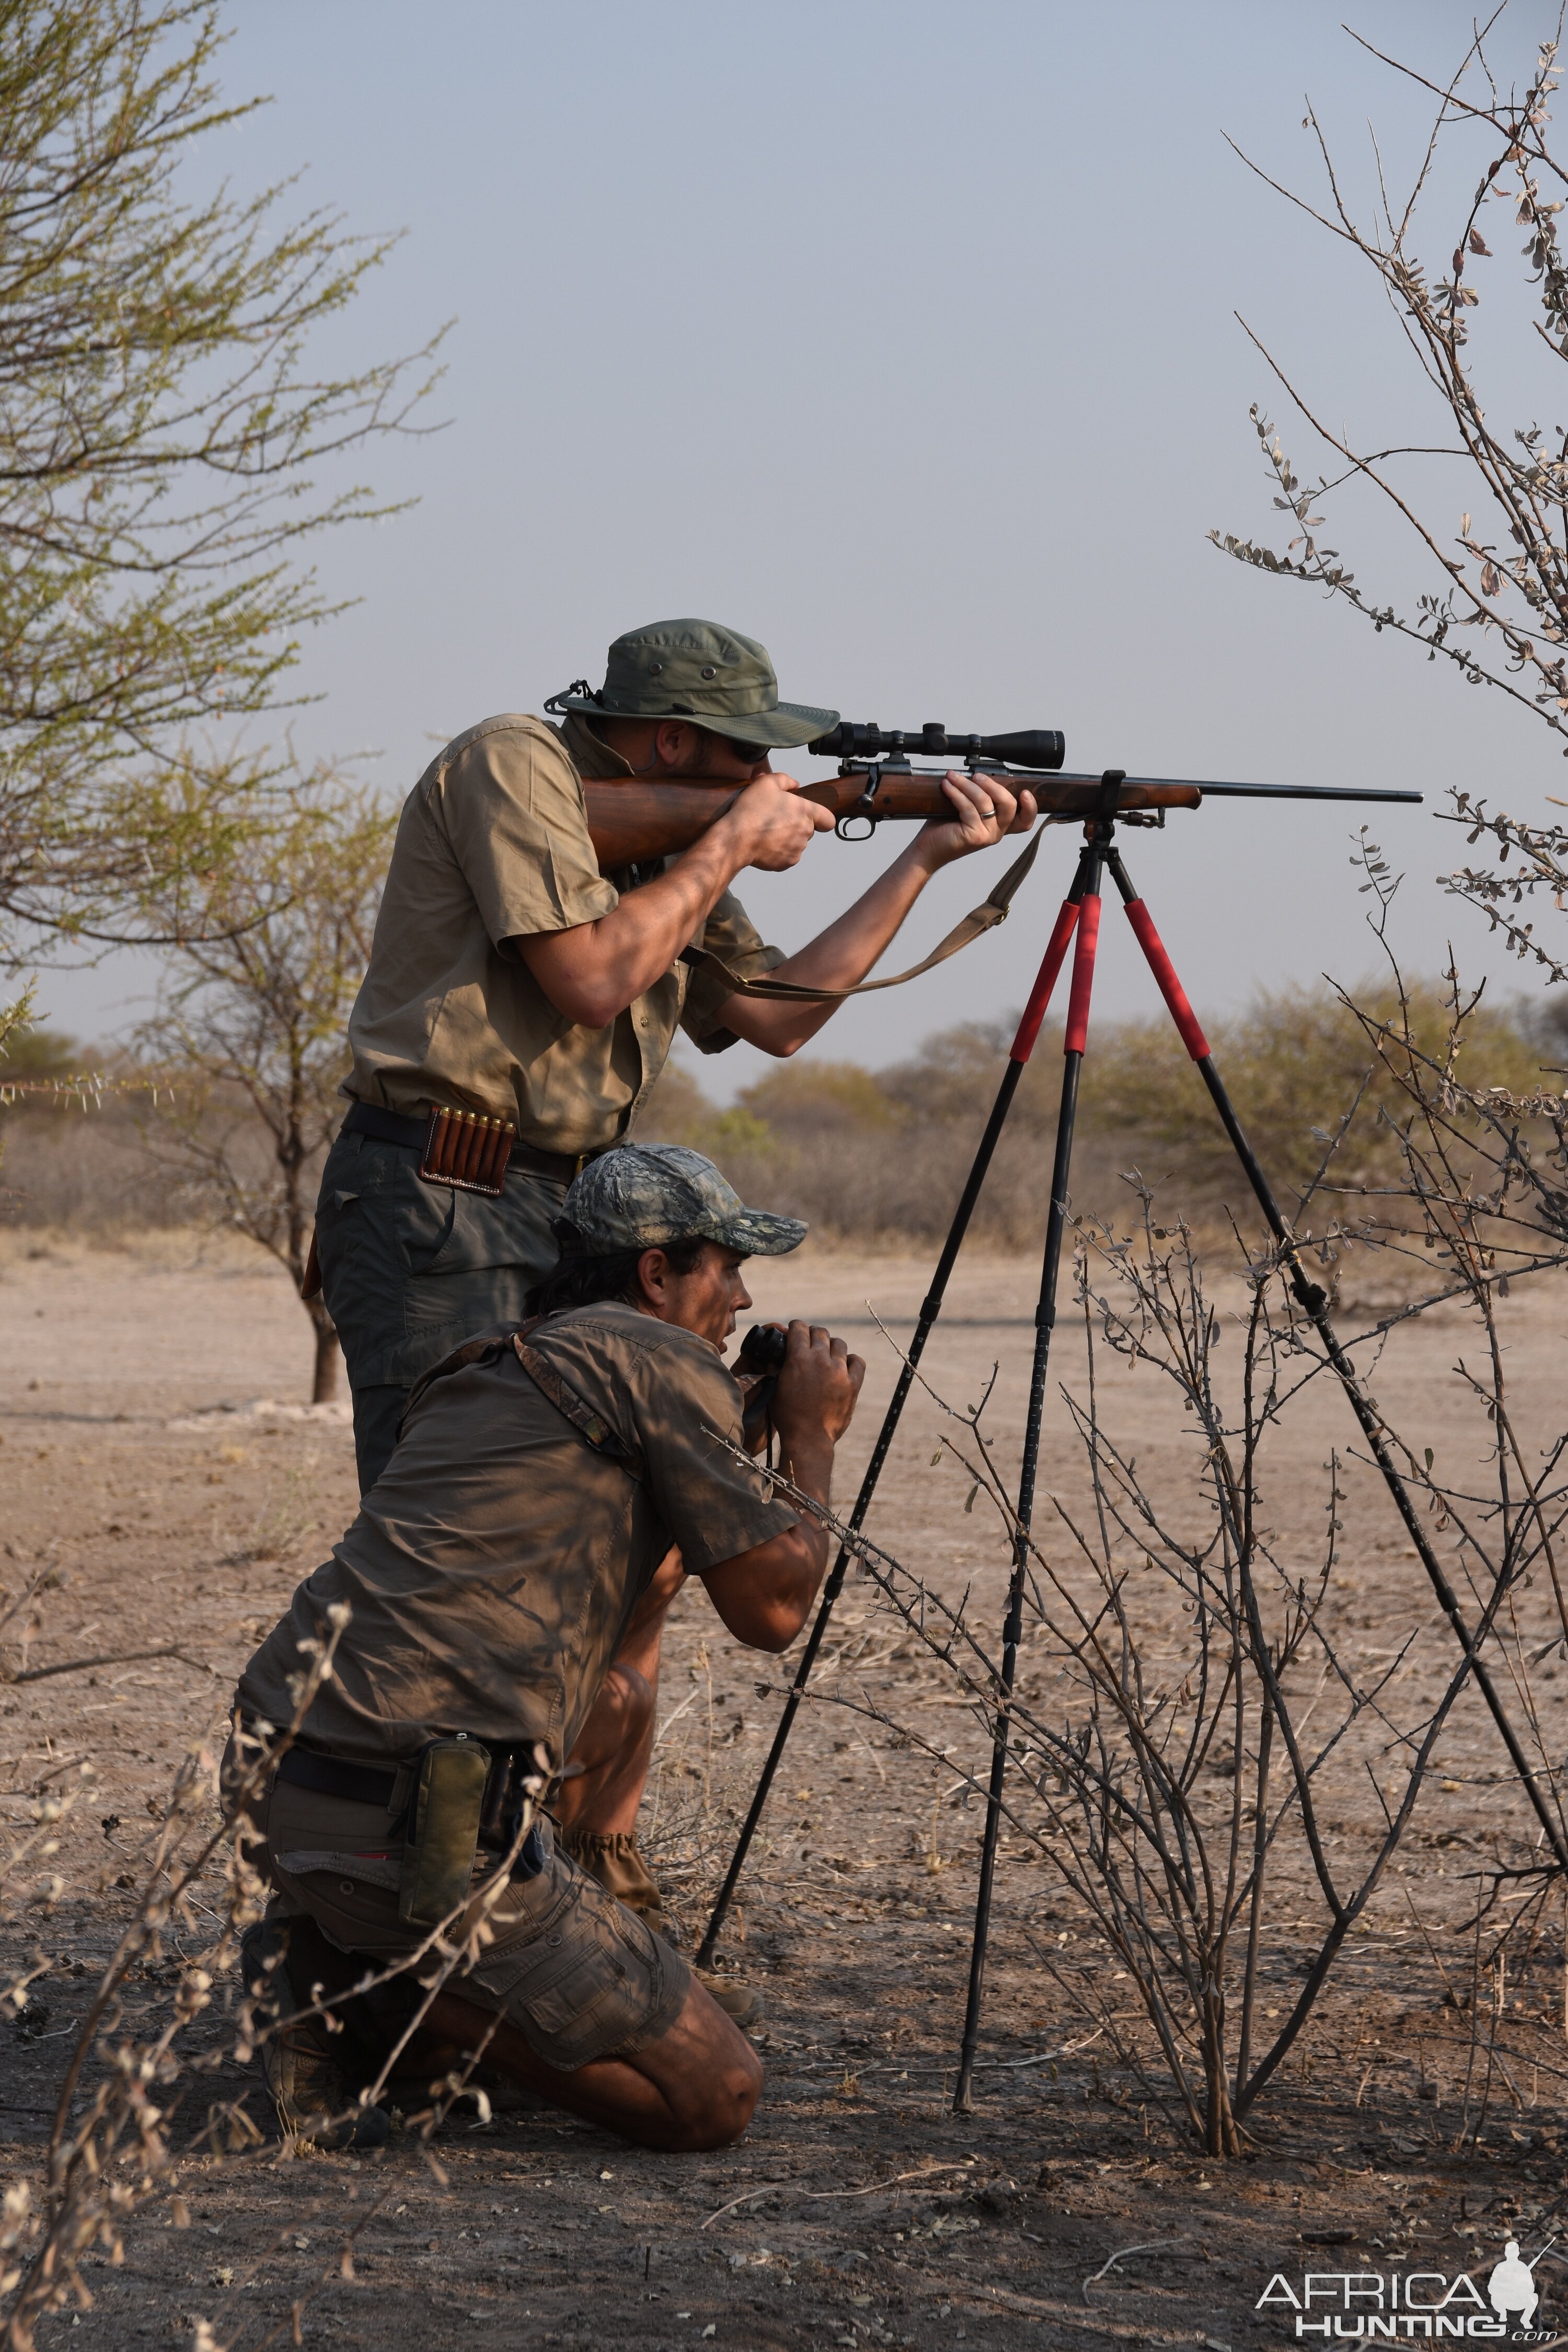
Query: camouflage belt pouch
443	1831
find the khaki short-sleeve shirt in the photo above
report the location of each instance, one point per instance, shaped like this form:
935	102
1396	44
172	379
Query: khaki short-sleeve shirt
492	1571
492	847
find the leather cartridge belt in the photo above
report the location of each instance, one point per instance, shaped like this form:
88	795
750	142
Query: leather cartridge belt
463	1149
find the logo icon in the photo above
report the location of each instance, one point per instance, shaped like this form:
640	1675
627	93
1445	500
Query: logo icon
1511	2289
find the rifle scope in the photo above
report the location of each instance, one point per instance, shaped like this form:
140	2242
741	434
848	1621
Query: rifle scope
1035	747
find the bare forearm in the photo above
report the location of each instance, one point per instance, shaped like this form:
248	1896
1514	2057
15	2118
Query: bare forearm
763	1596
837	957
984	810
806	1460
594	972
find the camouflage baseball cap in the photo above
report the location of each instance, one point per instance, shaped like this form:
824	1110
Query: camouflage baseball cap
695	669
642	1195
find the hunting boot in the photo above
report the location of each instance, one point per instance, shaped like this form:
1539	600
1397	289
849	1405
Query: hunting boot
617	1861
301	2065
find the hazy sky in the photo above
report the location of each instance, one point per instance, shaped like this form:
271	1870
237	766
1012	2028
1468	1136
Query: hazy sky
900	335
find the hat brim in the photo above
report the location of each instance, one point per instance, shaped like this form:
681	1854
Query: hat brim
757	1234
782	729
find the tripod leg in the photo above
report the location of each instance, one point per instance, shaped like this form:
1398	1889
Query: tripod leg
1312	1298
1023	1045
1074	1045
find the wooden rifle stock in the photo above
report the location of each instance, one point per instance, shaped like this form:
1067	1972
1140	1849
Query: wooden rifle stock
632	824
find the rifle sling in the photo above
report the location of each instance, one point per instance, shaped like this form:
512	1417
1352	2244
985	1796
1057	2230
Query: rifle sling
979	920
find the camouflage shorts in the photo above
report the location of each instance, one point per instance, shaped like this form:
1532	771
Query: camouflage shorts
578	1974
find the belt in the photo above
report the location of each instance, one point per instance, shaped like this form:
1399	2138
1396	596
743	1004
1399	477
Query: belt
331	1776
411	1133
369	1784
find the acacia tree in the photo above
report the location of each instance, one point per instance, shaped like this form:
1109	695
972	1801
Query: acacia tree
250	1022
1496	602
162	432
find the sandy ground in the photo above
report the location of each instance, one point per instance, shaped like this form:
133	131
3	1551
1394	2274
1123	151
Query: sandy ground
153	1450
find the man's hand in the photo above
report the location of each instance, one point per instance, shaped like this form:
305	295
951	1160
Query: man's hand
987	809
814	1400
770	824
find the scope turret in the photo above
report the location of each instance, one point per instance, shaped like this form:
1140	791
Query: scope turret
1034	746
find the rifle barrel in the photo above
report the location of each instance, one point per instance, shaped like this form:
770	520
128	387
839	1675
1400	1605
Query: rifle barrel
1303	792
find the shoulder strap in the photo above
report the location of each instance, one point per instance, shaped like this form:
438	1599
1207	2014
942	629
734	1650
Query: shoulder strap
473	1351
975	924
591	1426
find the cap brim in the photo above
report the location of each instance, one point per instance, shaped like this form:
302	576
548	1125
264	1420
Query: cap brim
782	729
758	1234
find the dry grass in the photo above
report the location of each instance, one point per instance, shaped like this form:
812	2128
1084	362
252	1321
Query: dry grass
876	1159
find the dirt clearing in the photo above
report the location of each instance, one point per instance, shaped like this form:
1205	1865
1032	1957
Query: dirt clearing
154	1453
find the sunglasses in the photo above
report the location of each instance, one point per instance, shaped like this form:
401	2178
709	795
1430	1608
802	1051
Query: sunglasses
754	755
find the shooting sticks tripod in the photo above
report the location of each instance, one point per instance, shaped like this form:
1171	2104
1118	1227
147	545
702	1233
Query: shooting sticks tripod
1080	916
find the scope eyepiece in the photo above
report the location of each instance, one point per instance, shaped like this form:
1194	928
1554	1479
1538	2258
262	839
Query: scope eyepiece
1033	746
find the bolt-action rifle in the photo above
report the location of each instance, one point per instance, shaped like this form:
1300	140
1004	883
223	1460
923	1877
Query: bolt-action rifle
633	822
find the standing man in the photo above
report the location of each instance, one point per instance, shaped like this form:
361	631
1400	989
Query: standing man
508	978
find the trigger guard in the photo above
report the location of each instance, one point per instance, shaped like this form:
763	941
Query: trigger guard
856	817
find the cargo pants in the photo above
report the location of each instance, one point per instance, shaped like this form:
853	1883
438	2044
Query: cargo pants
579	1975
410	1270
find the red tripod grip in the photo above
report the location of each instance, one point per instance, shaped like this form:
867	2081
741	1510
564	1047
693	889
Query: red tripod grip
1077	1038
1164	972
1024	1043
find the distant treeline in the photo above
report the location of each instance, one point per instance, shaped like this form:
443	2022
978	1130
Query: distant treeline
877	1156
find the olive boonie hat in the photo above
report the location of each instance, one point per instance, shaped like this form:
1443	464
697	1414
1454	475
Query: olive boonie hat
697	670
643	1195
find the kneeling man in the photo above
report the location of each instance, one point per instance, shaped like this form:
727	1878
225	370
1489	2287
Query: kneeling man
507	1581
